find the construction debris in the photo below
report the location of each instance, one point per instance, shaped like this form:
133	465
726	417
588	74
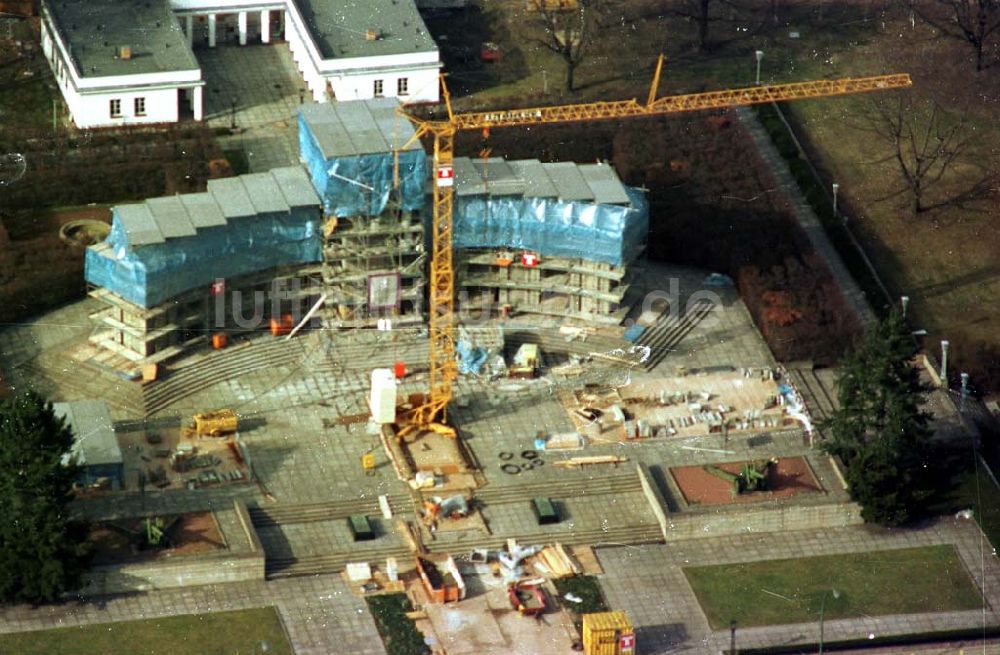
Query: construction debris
577	462
559	563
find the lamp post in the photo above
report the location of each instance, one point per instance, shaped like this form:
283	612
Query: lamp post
732	637
822	610
232	114
905	302
836	188
760	55
944	362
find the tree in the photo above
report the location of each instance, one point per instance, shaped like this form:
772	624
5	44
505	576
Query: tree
972	21
879	430
43	553
566	32
706	12
928	144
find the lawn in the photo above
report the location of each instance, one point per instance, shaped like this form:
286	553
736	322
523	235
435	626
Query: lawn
777	592
587	588
194	634
399	634
979	494
27	87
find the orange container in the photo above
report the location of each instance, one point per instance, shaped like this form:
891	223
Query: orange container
283	325
220	340
400	370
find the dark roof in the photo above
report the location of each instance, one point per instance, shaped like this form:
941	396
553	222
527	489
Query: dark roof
340	28
95	30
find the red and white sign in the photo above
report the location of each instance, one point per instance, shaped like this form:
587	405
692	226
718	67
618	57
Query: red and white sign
626	643
446	176
218	287
529	259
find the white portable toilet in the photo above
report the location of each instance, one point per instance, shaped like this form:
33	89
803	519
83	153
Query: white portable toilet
383	396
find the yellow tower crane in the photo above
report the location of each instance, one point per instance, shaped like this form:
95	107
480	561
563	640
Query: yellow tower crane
443	368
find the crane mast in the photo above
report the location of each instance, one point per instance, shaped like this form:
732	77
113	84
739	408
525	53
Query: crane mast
443	368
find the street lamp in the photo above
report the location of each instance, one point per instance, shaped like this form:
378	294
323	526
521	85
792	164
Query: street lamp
822	609
944	362
905	302
836	188
732	637
760	55
232	115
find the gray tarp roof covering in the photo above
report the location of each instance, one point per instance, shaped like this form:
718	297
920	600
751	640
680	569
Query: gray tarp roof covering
349	129
530	178
158	219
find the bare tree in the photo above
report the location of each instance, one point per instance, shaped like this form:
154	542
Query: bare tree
566	32
706	12
928	144
972	21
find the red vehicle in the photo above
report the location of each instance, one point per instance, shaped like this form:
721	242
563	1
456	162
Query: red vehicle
489	52
527	599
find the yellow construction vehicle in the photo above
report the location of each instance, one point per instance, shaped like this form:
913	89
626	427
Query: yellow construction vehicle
443	368
215	424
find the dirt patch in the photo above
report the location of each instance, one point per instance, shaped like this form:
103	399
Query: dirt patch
119	542
792	476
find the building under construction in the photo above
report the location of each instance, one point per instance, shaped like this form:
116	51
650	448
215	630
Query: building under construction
559	239
345	234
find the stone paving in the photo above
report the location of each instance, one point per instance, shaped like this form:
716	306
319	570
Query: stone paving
263	86
320	613
302	455
726	337
648	583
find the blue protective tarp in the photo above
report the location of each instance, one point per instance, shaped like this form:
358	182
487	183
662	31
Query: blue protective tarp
341	181
548	226
150	274
633	333
470	358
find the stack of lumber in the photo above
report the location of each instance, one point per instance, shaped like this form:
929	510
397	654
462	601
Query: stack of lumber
559	563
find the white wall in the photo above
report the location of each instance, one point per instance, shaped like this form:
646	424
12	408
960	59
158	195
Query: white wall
94	110
423	85
353	78
89	99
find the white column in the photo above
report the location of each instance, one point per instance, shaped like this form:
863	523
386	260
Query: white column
211	30
243	27
265	26
197	103
189	29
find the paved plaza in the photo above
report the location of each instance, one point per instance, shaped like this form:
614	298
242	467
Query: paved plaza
304	454
258	88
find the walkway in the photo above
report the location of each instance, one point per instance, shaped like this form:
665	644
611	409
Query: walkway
258	88
320	614
649	584
806	217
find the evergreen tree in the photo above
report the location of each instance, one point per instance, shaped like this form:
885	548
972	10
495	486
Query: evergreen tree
880	431
43	553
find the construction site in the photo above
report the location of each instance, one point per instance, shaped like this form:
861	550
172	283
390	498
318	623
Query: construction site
400	371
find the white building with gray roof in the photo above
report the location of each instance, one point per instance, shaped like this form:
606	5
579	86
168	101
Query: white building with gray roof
120	63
